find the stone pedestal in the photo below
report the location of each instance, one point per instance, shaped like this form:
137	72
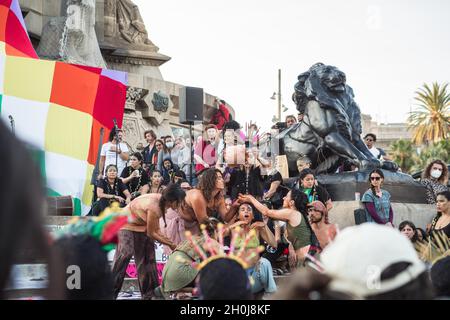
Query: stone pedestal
343	214
402	187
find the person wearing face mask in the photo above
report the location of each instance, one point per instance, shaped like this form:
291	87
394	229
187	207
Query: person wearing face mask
168	152
435	179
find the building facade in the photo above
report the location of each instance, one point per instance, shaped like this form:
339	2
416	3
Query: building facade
112	34
386	133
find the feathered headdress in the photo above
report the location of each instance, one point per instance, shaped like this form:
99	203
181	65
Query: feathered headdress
104	228
212	250
436	248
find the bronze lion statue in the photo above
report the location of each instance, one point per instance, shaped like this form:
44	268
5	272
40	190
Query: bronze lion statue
330	132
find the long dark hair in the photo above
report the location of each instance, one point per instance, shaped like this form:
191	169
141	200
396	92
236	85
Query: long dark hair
370	182
207	182
151	175
303	175
410	224
22	235
112	134
138	155
301	202
171	193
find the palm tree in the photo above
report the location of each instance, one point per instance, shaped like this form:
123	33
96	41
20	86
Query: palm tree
431	121
402	153
440	150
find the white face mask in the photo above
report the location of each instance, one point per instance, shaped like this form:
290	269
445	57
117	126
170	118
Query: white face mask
169	145
436	174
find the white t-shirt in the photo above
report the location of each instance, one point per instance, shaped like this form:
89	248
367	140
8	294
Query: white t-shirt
375	152
110	157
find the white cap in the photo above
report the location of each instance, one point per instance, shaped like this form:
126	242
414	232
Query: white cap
359	254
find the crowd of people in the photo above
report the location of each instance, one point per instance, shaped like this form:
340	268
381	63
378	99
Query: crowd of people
234	197
230	180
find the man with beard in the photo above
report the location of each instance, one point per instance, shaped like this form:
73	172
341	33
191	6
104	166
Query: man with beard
318	220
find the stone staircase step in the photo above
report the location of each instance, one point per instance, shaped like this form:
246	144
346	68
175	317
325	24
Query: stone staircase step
131	284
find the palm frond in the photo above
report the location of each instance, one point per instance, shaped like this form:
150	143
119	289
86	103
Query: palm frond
437	248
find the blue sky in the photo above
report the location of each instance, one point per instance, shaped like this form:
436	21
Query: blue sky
234	48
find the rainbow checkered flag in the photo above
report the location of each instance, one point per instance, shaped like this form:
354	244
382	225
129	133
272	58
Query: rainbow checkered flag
58	108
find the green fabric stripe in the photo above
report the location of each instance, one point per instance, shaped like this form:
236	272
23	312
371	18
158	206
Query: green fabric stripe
1	99
38	157
76	207
52	193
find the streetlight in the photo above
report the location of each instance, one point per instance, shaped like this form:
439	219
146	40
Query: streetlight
278	95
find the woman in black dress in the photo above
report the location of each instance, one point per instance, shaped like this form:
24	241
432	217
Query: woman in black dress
135	177
246	180
441	223
110	189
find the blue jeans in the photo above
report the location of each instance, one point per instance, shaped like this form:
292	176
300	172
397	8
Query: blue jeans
262	277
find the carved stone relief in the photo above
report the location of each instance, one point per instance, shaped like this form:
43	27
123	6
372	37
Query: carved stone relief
72	38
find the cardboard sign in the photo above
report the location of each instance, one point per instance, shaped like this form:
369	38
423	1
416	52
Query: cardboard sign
281	164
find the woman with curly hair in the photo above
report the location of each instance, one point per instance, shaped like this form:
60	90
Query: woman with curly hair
435	179
206	200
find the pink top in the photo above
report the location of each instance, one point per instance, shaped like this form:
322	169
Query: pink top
174	230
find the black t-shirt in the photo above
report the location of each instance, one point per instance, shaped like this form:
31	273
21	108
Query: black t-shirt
272	178
251	184
134	184
147	154
118	189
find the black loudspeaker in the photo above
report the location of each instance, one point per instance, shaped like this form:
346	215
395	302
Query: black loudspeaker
191	105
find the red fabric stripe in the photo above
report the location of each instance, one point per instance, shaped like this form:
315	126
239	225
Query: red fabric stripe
16	36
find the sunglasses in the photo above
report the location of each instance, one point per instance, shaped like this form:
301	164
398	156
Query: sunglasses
369	140
375	178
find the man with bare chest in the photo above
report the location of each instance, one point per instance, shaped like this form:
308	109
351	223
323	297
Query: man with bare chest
205	200
318	219
137	238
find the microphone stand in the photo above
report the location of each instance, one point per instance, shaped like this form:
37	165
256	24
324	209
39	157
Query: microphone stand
13	126
192	153
116	134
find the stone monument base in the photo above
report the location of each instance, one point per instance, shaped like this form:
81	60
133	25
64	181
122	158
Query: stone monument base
343	213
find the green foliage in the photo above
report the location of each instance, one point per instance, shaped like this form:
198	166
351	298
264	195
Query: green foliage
412	159
430	122
403	152
439	150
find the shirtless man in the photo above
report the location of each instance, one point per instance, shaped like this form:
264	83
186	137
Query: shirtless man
137	238
205	200
318	219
